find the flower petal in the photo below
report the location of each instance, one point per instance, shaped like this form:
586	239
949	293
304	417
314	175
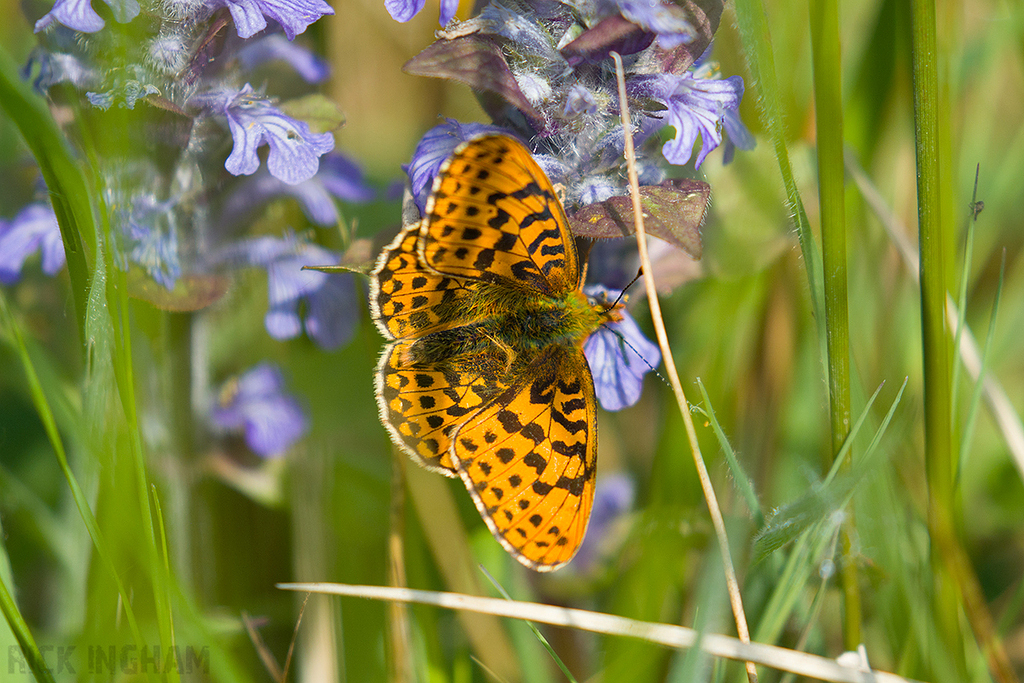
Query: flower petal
403	10
277	47
434	149
257	404
293	15
33	227
619	356
294	150
333	311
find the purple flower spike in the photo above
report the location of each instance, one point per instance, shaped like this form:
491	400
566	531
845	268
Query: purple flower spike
253	120
404	10
80	16
619	356
331	303
295	16
435	147
257	404
696	106
34	228
277	47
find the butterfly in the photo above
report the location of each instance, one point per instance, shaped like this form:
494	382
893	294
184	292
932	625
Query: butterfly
484	377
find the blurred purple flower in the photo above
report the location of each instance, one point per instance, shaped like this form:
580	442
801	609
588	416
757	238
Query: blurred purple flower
338	176
619	356
128	91
696	106
331	308
34	228
277	47
148	243
664	19
80	16
256	403
434	149
579	101
253	120
295	16
57	67
612	499
404	10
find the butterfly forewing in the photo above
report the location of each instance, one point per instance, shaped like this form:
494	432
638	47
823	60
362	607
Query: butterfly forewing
529	459
408	299
494	216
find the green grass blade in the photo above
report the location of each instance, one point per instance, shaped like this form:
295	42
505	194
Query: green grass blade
28	644
49	424
806	521
828	107
939	456
536	632
753	26
972	410
739	476
65	179
961	300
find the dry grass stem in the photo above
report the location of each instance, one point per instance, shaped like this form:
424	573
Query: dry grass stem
673	376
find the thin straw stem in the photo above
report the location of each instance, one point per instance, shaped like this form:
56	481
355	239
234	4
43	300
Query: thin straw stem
673	376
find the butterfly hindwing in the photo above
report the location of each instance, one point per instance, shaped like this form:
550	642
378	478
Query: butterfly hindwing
494	216
422	399
529	459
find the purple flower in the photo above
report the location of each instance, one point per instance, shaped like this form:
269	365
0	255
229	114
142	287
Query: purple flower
328	300
250	16
619	356
253	120
129	91
338	176
404	10
256	404
434	149
666	20
612	499
58	67
34	228
696	106
579	100
277	47
738	135
148	243
80	16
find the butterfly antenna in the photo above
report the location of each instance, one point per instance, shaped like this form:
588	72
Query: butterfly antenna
640	355
639	274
